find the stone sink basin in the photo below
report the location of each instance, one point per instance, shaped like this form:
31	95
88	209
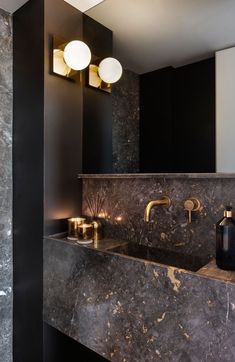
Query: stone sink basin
165	257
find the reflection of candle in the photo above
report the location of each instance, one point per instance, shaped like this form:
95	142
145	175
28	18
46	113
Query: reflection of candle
102	215
73	224
118	218
85	232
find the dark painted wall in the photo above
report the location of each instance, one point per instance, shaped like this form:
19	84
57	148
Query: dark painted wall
97	106
177	116
28	182
62	123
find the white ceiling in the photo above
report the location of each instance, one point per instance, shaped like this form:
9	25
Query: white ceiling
151	34
11	5
83	5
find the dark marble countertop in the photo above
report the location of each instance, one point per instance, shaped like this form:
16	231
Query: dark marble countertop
159	175
210	270
133	310
103	245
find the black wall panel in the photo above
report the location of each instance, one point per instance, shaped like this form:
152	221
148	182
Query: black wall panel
28	181
62	123
177	119
194	117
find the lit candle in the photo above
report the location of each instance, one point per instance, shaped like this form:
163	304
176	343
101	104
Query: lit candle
73	224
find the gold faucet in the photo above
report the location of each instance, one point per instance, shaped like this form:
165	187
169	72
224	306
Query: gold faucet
164	201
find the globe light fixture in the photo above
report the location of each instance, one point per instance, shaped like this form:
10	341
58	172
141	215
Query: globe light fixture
77	55
110	70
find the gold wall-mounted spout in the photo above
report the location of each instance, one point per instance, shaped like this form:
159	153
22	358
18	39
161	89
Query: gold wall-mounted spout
164	201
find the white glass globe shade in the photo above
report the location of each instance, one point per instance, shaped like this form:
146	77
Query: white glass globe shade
110	70
77	55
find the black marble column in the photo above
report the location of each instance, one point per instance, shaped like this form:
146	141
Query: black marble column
126	123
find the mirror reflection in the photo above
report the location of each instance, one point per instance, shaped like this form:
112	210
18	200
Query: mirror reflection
173	108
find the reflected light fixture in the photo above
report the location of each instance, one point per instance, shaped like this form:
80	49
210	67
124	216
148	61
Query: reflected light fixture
110	70
101	76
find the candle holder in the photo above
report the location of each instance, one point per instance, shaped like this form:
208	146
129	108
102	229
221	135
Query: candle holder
73	224
98	235
95	204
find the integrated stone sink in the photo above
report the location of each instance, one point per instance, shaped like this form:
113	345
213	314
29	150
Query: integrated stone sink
166	257
128	309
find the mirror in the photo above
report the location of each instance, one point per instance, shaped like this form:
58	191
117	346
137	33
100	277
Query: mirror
173	108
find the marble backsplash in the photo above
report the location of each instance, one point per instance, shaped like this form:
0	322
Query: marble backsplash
5	187
125	199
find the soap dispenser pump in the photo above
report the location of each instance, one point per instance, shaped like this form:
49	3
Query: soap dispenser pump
225	241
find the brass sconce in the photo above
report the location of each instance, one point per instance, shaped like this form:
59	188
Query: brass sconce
101	76
69	57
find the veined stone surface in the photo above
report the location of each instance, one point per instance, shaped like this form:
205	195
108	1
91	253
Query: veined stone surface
125	200
5	187
137	311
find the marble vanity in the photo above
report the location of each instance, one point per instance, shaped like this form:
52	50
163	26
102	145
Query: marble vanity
133	310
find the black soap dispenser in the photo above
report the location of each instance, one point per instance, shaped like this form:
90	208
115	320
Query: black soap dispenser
225	241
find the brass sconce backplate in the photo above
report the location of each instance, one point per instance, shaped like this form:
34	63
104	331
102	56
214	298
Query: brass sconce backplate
95	81
58	65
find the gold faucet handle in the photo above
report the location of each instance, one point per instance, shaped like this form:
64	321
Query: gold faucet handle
190	205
